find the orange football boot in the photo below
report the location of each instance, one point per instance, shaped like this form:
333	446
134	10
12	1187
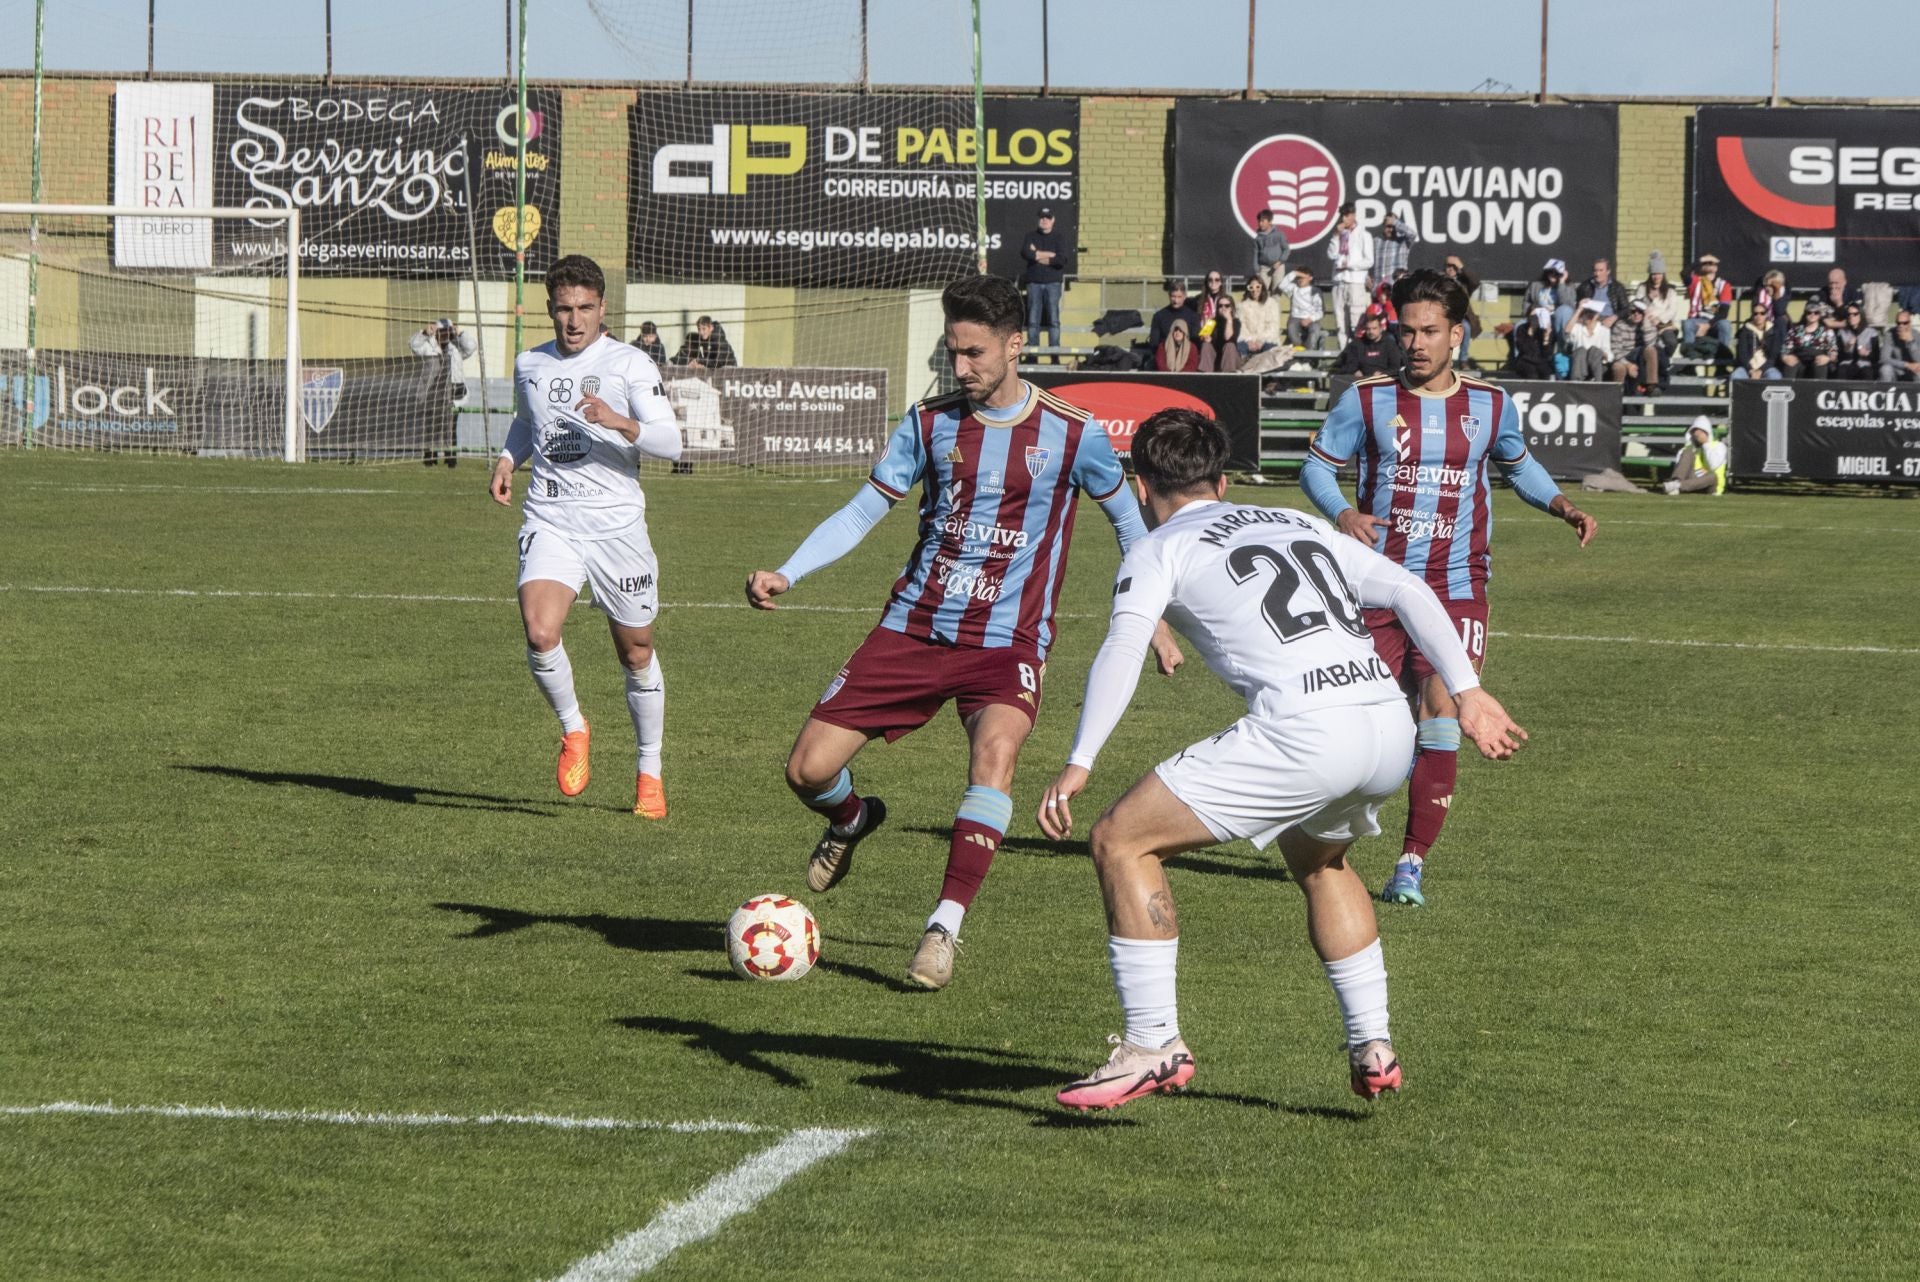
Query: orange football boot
649	797
573	771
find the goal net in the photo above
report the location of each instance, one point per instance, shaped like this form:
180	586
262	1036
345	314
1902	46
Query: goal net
117	331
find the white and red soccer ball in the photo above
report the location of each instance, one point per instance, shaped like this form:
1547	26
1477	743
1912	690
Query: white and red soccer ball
772	937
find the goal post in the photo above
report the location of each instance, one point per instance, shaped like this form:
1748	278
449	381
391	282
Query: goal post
119	285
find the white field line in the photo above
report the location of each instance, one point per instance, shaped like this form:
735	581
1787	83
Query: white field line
1702	643
205	489
352	1118
704	1214
1792	529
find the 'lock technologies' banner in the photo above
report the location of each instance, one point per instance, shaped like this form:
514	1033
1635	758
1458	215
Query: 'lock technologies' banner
838	189
1805	189
1826	431
1121	402
1506	187
410	181
1572	429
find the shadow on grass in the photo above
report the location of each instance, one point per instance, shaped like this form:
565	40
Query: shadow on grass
1322	1111
925	1070
1254	868
377	790
637	934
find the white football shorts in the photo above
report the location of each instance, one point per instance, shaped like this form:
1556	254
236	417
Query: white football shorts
1327	771
623	570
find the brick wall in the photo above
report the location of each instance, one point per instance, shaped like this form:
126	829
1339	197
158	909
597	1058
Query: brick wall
1653	187
1123	185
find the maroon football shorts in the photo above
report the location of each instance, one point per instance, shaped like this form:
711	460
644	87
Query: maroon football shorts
1397	650
894	684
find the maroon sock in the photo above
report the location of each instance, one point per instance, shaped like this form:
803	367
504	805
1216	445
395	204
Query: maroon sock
841	812
1429	795
969	855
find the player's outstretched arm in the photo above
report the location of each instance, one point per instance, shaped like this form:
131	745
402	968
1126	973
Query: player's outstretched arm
1484	721
763	586
1336	441
500	486
1055	813
1531	482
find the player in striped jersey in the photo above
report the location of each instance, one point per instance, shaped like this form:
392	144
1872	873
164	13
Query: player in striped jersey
1001	465
1421	441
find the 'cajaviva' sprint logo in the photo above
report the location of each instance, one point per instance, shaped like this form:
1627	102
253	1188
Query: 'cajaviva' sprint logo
1298	179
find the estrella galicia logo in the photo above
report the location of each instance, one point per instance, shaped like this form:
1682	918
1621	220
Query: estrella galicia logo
1297	178
564	441
320	388
1037	456
1789	182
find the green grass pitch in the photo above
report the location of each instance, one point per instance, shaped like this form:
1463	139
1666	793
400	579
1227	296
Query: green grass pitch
279	832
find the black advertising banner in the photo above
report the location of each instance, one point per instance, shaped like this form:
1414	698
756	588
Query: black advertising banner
1504	186
1808	189
1121	402
1572	429
781	417
104	400
860	190
386	180
1826	431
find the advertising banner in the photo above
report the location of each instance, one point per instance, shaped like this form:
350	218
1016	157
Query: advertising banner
1826	431
163	161
1504	186
1122	401
781	417
1808	189
410	181
1572	429
838	190
104	400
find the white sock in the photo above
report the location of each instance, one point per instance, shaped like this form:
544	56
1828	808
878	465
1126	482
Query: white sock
1143	975
949	914
647	701
1408	860
1360	984
553	673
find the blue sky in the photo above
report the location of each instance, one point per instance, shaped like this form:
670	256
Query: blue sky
1693	47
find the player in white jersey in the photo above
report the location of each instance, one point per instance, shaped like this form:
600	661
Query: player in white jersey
1271	599
588	408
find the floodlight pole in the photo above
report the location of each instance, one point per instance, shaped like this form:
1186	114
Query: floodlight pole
33	228
1252	13
1543	50
1773	94
1046	60
329	21
520	193
979	149
150	6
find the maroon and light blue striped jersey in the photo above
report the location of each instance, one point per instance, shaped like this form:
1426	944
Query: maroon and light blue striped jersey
996	516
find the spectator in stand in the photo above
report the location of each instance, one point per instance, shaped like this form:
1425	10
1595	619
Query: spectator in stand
1771	294
444	349
1589	344
706	347
1456	268
1602	288
1757	354
1351	252
1857	354
1900	353
1178	354
1709	304
1304	310
1392	246
1811	348
1532	355
1259	318
1837	297
1372	351
1552	292
1049	258
649	342
1666	308
1211	297
1270	250
1179	307
1701	466
1636	351
1383	302
1220	349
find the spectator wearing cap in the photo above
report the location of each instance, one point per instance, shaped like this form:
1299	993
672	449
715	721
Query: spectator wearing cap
1636	351
1757	349
1372	350
1304	310
1857	346
706	347
1179	307
1350	250
1836	296
1048	259
649	342
1532	354
1270	250
1900	351
1810	348
1553	292
1666	307
1701	466
1602	288
1709	304
1589	344
1392	247
1454	266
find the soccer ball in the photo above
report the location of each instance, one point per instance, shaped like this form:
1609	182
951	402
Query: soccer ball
772	937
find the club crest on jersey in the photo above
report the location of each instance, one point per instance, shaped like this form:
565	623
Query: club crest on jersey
1470	425
1037	459
320	388
590	385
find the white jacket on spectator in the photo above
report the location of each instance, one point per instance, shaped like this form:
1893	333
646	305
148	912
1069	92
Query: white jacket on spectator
459	348
1578	335
1665	313
1260	321
1303	301
1352	267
